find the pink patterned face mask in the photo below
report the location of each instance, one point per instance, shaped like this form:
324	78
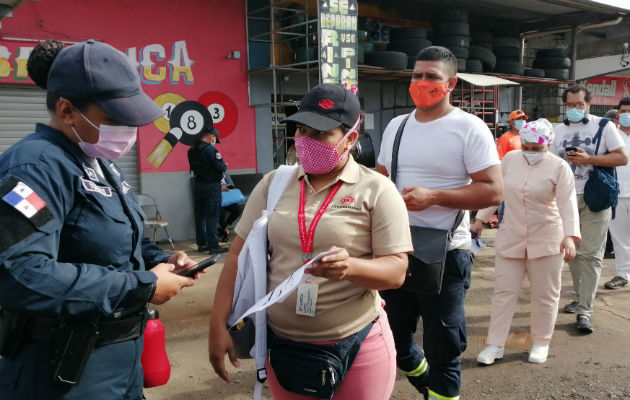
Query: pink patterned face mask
317	157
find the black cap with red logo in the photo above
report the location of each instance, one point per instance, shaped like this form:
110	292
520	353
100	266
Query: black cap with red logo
326	107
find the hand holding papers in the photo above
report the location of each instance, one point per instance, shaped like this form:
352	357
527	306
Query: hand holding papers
286	287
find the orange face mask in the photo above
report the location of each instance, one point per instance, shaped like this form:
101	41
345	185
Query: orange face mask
426	93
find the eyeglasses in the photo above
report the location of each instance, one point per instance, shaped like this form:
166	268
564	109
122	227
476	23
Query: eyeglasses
575	105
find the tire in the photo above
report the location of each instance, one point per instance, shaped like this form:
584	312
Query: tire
368	46
411	47
447	41
387	59
507	53
509	67
398	34
506	41
552	53
474	66
459	52
484	55
367	24
481	36
538	73
556	62
461	65
452	28
487	45
302	41
302	54
411	61
454	15
557	73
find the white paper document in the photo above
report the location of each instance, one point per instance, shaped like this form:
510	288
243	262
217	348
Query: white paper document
286	287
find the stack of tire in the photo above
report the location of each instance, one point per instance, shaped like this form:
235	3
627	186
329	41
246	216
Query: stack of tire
366	29
404	45
480	55
304	47
554	62
507	50
453	32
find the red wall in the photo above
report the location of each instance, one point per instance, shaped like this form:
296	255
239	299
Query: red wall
202	33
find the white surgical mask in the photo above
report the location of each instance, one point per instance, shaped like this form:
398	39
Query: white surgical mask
533	157
519	123
113	141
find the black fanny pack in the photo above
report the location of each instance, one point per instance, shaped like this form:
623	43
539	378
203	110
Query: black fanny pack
314	370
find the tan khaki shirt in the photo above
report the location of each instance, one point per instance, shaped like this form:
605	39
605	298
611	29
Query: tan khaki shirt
367	217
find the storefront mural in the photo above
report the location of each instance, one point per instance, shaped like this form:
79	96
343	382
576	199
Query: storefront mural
176	62
607	90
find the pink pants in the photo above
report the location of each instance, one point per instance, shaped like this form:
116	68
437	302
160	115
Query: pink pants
371	376
544	276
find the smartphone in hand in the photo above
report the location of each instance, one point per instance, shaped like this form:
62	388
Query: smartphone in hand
571	148
191	272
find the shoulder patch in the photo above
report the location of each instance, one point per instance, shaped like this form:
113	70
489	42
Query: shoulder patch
218	155
22	212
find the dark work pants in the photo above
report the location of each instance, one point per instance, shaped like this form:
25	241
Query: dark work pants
207	209
444	327
112	372
230	214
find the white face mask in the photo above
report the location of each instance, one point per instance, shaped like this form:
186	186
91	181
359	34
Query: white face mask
113	141
533	157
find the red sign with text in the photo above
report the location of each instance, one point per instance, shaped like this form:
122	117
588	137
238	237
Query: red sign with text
608	90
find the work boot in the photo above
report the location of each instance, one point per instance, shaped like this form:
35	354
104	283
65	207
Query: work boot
218	250
490	354
570	308
202	249
584	324
616	283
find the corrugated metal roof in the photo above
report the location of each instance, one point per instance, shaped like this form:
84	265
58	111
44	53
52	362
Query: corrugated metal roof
484	80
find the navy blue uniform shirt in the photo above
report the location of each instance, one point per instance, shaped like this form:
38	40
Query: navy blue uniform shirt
83	253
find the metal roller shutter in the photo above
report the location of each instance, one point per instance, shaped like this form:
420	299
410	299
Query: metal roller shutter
22	107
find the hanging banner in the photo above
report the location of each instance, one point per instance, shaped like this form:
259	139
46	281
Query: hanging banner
338	42
607	90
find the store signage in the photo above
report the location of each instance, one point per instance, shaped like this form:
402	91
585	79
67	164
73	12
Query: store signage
607	90
150	61
338	42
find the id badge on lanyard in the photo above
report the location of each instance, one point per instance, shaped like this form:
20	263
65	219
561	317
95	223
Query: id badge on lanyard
307	292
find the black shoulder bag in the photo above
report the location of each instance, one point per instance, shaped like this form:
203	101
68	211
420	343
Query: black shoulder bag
430	245
601	190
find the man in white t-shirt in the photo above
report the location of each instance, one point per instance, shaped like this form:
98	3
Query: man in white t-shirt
447	161
574	142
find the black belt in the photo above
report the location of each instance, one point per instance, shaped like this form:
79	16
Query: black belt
109	332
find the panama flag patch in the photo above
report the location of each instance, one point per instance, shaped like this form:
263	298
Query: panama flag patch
24	199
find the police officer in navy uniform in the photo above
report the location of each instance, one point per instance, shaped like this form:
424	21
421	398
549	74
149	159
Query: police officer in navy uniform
208	166
75	271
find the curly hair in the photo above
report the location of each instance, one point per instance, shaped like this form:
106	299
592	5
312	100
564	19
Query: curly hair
38	66
40	61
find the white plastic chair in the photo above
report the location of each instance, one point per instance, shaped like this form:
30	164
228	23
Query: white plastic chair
155	222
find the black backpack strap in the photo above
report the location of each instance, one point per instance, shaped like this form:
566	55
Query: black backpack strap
399	133
598	136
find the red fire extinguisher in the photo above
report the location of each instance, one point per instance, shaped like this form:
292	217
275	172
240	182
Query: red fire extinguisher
157	368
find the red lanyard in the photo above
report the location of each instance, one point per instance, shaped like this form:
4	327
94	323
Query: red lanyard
308	237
